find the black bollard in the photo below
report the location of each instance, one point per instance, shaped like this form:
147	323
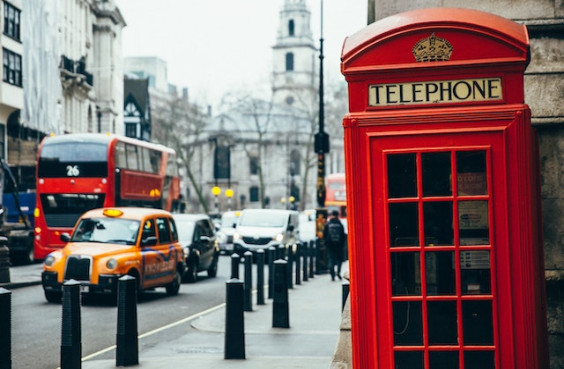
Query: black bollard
235	261
4	263
271	256
71	346
127	344
5	328
260	277
311	258
280	305
304	253
345	294
290	265
248	280
234	321
280	250
297	257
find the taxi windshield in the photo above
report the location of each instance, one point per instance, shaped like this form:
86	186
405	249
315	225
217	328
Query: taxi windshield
107	230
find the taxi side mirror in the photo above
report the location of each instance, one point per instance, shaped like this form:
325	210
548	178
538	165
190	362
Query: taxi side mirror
149	241
65	237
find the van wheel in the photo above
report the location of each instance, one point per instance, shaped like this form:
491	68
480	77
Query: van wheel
173	287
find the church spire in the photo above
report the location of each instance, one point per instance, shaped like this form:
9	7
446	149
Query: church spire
294	56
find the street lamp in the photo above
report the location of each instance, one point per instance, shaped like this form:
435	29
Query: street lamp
216	191
321	146
229	194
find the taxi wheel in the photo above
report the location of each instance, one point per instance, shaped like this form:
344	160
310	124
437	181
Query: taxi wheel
54	297
173	287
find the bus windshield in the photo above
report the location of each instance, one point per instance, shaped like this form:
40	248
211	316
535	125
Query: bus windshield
73	159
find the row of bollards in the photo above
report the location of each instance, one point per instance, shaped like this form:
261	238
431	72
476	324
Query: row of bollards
281	261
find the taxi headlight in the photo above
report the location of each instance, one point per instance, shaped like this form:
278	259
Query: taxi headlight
111	264
49	260
279	237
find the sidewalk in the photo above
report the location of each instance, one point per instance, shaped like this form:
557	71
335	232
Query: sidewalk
309	343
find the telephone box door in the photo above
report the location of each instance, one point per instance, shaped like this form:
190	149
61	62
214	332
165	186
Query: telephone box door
441	303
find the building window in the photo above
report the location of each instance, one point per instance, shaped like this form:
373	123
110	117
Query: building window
131	130
11	21
254	194
254	164
291	27
289	62
12	68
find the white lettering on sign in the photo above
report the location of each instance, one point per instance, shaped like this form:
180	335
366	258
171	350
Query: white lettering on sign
464	90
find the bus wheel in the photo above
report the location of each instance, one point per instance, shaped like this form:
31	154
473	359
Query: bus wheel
173	287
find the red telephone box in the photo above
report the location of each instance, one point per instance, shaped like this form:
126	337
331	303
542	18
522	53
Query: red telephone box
443	191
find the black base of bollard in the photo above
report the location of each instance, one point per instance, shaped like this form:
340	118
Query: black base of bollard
5	328
234	321
280	304
71	331
127	344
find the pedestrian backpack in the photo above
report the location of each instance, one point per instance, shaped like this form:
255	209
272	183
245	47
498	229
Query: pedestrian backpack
334	232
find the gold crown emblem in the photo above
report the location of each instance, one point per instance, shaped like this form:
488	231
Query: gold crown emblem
432	48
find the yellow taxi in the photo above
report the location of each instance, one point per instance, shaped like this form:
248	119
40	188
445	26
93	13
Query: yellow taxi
109	243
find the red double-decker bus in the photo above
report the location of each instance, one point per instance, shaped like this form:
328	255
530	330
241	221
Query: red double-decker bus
335	194
79	172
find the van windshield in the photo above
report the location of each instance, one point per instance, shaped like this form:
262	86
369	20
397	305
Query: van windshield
263	219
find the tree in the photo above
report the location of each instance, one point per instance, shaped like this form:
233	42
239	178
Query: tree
179	125
255	124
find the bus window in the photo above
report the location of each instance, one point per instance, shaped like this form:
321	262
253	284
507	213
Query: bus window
145	159
155	161
132	162
120	156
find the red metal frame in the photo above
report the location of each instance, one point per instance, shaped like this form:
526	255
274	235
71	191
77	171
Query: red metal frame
485	46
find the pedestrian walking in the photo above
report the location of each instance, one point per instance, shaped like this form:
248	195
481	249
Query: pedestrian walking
334	237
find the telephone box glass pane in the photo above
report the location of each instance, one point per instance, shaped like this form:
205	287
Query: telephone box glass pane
408	360
406	279
442	321
471	176
439	273
474	228
437	217
436	174
408	328
477	322
479	360
443	360
475	273
401	176
404	230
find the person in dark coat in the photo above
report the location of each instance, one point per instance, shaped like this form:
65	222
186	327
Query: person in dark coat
334	237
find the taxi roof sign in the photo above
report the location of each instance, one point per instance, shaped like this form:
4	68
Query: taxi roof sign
112	213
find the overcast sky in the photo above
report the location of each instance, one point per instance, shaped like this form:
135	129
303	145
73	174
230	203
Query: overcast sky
215	46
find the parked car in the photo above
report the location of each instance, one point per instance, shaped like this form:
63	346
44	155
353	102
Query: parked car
196	234
263	228
227	227
109	243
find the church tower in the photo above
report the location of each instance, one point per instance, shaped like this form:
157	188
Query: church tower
294	57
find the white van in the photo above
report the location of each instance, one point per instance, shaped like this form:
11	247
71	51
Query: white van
263	228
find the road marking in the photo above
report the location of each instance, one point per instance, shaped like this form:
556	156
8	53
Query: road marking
187	319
